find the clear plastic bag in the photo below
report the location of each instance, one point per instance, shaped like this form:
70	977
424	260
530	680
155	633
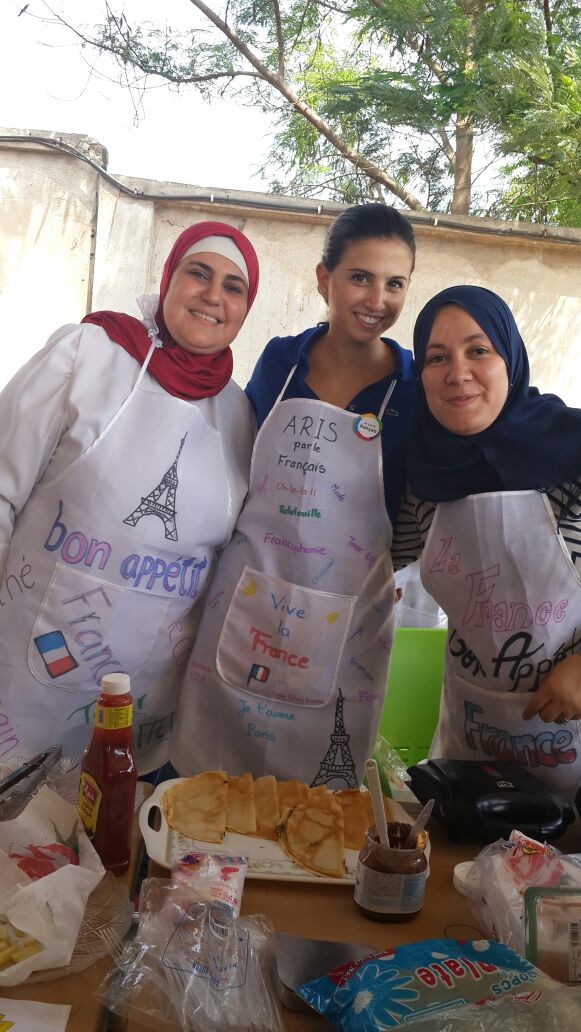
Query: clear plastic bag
499	876
392	771
210	878
552	1008
196	967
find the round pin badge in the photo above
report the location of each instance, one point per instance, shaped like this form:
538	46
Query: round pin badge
367	426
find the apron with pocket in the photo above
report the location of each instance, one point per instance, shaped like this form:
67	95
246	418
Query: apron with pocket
498	567
105	564
289	669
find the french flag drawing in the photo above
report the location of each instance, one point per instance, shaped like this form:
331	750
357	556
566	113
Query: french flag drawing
55	653
258	673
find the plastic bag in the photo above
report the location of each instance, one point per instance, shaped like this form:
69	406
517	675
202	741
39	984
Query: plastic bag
48	868
408	985
195	966
392	771
549	1008
499	876
210	878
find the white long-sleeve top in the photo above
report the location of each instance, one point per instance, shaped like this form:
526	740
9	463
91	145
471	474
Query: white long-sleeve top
58	404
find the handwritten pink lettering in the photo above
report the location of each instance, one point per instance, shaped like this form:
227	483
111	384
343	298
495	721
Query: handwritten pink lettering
260	643
483	610
444	562
281	486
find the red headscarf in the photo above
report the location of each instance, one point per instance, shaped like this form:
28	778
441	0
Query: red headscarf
181	373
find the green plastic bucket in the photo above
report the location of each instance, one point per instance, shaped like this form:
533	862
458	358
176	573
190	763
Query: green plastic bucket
410	712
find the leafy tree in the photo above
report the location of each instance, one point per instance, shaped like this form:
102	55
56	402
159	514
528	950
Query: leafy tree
391	96
539	125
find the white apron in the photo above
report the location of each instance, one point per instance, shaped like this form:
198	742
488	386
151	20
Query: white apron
105	564
289	669
497	566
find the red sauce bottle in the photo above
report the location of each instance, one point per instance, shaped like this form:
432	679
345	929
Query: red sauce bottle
106	799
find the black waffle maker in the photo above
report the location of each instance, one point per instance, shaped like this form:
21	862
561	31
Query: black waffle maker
481	801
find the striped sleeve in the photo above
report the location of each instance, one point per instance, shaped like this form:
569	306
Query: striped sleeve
415	519
566	504
411	530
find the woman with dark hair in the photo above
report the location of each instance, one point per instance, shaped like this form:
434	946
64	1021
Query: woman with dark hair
495	510
289	668
124	458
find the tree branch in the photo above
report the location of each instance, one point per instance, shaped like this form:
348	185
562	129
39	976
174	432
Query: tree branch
361	163
444	145
279	38
300	26
127	54
333	7
548	26
430	62
465	128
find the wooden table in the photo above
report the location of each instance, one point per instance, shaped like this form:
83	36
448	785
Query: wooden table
79	991
328	912
313	911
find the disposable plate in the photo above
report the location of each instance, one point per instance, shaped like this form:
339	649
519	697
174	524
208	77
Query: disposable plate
265	859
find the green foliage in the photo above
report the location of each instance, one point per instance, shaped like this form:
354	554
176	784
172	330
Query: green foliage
537	193
392	81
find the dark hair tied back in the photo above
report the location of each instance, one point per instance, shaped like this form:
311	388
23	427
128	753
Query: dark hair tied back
362	222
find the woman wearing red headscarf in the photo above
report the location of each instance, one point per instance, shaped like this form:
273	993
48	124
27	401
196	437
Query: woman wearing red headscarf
124	457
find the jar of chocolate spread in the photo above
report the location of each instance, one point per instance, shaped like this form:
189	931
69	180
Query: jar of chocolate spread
390	880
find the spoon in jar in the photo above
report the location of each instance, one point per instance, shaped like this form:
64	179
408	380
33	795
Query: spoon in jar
377	801
420	823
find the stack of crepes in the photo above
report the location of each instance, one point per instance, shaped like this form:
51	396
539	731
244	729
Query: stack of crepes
313	826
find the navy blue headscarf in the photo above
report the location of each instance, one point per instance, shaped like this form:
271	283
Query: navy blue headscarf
534	443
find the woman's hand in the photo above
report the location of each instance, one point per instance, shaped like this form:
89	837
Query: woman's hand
558	698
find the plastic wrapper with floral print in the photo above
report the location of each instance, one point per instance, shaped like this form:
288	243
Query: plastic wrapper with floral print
48	868
411	983
501	874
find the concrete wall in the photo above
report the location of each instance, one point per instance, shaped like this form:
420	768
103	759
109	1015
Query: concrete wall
70	241
47	214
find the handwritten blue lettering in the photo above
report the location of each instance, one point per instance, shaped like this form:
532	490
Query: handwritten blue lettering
547	749
75	547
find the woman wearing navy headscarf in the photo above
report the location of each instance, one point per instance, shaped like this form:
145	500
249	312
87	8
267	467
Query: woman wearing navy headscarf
495	511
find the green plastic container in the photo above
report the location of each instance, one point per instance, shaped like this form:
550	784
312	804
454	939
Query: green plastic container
410	712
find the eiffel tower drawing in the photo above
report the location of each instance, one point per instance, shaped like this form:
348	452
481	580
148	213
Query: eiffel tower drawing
338	761
154	505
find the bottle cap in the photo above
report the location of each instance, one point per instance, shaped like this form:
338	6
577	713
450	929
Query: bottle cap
116	684
461	876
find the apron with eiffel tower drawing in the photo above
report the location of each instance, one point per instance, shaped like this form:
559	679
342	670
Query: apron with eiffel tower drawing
114	552
289	670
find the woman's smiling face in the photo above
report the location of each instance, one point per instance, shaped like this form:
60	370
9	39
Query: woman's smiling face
206	303
366	290
465	379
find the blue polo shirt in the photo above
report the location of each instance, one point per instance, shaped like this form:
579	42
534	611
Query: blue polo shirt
282	353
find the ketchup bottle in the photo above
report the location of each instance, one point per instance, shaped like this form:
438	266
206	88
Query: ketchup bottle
109	776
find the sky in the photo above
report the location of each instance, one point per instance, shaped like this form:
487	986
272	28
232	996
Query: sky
48	82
